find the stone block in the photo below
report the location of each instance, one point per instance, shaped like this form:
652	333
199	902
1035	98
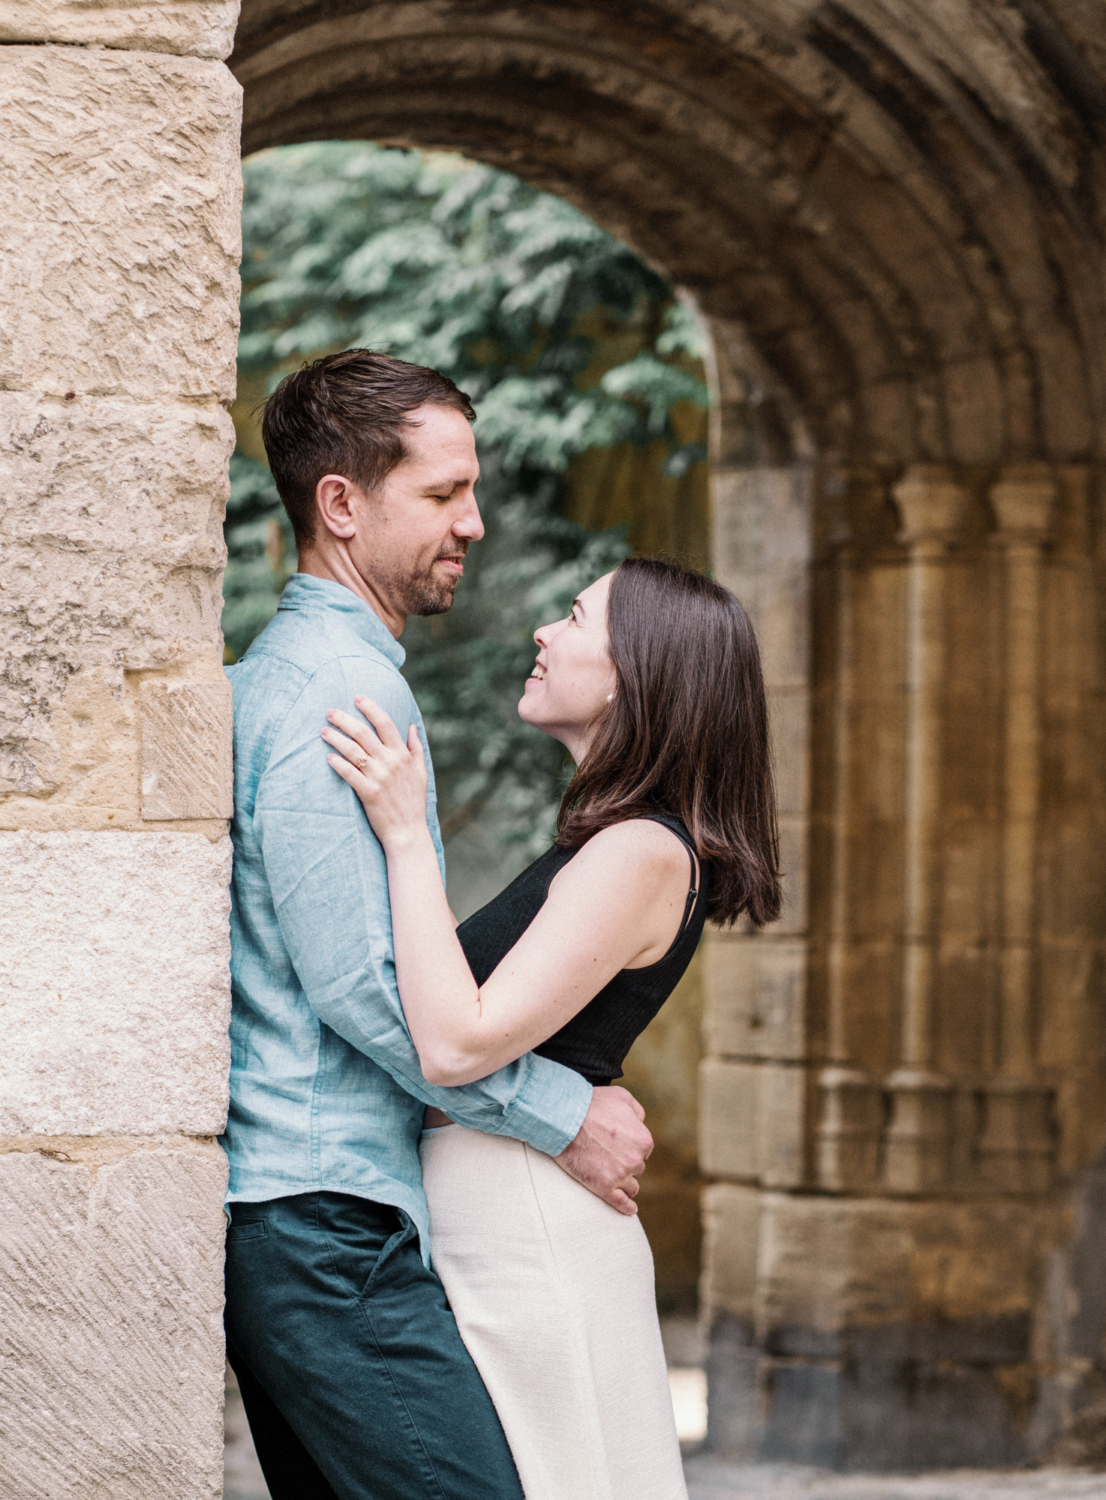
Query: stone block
886	1405
804	1415
762	520
198	28
728	1102
864	1333
735	1406
761	552
187	750
828	1262
781	1125
756	993
731	1235
790	720
111	545
114	983
794	831
120	237
752	1121
111	1293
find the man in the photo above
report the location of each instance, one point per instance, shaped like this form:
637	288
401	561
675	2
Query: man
354	1377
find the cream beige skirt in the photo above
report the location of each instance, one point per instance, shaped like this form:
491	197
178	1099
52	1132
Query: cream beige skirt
553	1294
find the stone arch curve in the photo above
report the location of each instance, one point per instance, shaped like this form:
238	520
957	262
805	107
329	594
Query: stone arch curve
902	210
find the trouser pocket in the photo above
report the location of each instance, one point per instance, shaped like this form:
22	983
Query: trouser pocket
392	1254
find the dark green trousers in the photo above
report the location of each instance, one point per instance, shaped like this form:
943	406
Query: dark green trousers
354	1378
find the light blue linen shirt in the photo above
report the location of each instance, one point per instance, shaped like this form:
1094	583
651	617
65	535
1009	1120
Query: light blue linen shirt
325	1087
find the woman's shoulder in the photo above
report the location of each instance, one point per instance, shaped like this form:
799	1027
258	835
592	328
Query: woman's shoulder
645	844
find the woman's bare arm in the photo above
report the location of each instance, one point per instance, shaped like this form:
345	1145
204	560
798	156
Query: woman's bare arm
617	904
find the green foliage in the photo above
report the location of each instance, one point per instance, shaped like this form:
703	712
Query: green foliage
519	298
258	534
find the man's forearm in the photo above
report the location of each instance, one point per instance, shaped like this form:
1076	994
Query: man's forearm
546	1112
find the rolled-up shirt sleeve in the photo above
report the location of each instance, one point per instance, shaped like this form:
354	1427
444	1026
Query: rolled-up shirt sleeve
328	878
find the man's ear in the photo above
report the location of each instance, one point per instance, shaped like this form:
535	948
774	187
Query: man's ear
334	498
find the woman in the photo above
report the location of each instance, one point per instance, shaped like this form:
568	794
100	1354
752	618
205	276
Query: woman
653	685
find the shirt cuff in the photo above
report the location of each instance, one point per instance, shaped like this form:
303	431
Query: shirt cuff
549	1106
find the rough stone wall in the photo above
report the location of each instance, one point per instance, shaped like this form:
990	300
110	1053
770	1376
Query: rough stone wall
894	215
926	1086
118	315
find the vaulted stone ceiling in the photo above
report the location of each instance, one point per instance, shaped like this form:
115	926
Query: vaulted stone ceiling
901	200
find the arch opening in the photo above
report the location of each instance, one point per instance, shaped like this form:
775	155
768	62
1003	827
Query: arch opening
590	389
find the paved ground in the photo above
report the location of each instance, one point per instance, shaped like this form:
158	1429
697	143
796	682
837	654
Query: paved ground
709	1480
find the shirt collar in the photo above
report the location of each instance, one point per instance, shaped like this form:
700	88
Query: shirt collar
322	595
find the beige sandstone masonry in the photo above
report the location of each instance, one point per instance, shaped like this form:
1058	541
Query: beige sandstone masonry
118	316
892	216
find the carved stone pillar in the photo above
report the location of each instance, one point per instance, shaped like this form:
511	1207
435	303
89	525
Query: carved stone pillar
850	1115
931	505
1015	1149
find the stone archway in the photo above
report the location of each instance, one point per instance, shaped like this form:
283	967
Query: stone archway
892	216
892	221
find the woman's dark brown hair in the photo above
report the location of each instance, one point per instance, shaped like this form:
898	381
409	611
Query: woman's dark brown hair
687	730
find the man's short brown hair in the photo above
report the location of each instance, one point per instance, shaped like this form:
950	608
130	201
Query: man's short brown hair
345	414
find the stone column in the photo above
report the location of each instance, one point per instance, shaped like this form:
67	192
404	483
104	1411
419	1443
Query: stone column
926	1304
118	313
1015	1150
931	504
755	1080
850	1099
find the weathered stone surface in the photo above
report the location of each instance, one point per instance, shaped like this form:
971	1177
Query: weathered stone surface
111	1350
761	551
753	1121
794	867
111	548
731	1254
756	989
120	237
826	1263
114	983
710	1477
871	1334
661	1071
187	750
902	207
200	28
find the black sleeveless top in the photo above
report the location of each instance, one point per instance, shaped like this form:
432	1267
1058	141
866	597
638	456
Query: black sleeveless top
595	1042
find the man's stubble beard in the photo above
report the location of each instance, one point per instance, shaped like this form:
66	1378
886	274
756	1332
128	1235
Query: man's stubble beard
424	594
